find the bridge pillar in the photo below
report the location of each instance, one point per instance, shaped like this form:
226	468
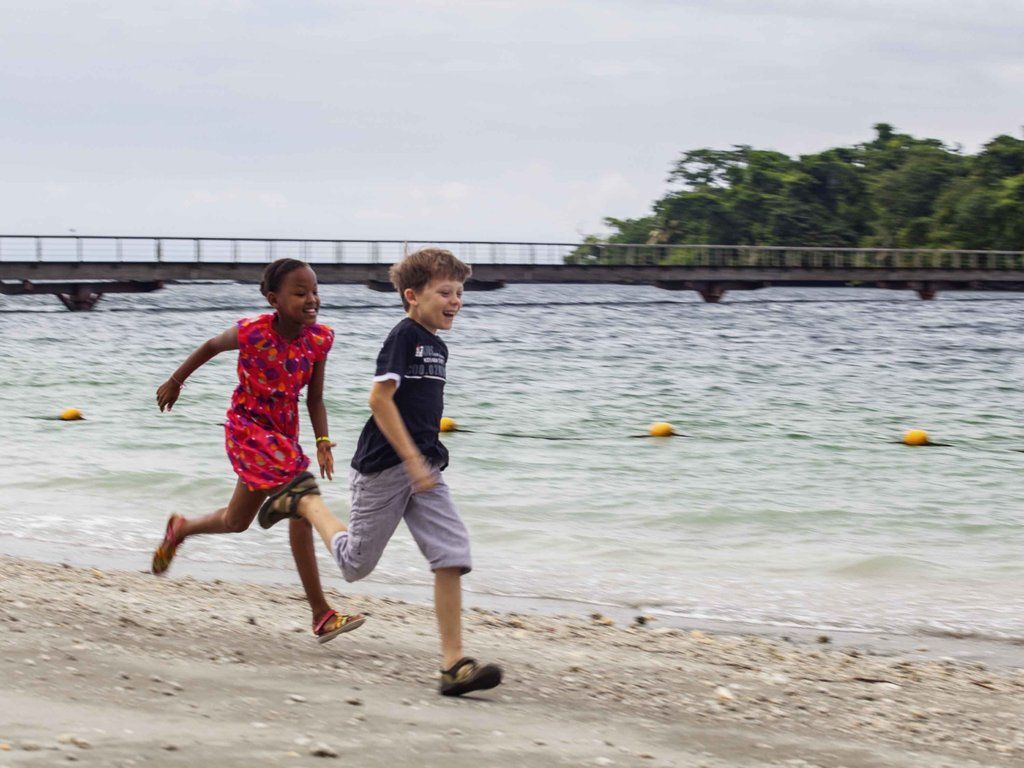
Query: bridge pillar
712	293
927	291
81	299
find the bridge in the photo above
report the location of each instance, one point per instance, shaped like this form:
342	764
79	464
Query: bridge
80	269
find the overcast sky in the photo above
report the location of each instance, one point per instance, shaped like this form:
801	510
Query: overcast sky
527	120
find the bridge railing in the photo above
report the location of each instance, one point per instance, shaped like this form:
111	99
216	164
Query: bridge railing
131	249
788	257
70	248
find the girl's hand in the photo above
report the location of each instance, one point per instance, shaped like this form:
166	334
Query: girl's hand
325	459
167	394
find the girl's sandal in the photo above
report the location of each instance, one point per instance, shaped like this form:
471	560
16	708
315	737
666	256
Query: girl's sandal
169	546
332	624
284	502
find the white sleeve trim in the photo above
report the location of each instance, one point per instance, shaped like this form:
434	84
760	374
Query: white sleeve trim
390	377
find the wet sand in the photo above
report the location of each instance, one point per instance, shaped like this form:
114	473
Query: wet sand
116	668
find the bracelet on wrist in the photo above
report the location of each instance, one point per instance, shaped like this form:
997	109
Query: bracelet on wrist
322	439
179	383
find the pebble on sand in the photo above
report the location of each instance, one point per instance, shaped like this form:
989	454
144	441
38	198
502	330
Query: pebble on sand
322	750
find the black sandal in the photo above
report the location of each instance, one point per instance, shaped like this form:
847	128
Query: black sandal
284	502
466	675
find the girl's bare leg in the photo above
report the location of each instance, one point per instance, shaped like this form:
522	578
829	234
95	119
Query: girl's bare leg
234	518
300	536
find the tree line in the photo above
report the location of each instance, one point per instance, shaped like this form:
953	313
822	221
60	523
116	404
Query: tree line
895	191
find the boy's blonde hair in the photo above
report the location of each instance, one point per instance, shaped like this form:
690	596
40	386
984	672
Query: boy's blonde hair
419	268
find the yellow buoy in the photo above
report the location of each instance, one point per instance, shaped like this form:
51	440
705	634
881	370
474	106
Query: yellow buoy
448	424
662	429
71	414
915	437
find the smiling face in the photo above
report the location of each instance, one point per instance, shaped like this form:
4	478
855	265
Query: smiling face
436	304
297	300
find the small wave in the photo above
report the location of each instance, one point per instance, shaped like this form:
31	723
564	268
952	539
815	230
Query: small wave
886	565
969	634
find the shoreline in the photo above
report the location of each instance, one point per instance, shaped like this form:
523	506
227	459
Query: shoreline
120	668
1003	652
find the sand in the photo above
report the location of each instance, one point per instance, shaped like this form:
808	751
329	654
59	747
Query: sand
115	668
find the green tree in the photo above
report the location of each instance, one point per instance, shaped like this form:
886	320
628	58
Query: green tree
895	190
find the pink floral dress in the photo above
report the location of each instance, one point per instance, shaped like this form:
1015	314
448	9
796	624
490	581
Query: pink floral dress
262	428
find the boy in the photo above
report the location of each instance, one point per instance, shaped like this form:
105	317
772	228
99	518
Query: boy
396	469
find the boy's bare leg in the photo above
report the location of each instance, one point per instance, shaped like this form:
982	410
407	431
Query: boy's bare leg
448	606
300	536
316	513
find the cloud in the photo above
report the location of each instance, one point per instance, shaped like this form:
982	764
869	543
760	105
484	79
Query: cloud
507	120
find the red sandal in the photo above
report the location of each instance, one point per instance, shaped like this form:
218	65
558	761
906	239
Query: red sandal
169	546
332	624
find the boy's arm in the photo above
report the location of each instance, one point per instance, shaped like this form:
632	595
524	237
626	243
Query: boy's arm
318	417
168	392
385	413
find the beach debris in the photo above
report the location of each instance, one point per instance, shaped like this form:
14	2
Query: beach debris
603	761
169	747
723	694
641	621
323	750
297	698
354	701
71	414
599	619
31	746
824	639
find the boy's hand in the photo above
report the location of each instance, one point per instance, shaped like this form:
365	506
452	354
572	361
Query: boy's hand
325	459
167	394
421	474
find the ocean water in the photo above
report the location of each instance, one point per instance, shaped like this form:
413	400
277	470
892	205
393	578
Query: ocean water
788	501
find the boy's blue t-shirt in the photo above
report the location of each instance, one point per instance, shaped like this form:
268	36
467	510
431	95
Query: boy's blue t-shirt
415	359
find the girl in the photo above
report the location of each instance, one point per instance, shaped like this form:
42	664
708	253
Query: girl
278	354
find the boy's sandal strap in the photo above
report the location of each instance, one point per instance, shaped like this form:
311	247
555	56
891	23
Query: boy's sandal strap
453	670
306	487
271	511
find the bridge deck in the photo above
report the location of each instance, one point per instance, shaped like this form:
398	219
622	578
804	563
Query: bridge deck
35	264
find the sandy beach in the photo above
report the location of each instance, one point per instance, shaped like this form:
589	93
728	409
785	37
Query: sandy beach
112	668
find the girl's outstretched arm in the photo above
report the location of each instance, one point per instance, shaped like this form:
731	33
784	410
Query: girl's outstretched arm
168	392
318	416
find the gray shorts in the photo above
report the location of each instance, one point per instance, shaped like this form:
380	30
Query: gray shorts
379	502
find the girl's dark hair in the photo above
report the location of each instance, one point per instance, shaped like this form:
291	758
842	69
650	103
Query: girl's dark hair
275	272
